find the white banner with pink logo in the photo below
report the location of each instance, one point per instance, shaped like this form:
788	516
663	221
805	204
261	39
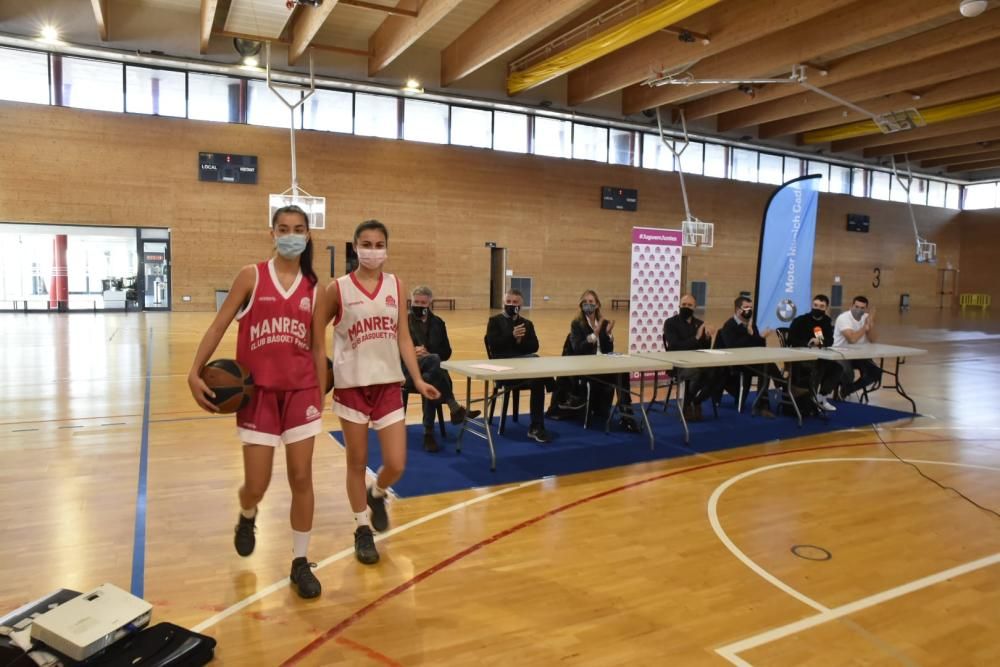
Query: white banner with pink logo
655	292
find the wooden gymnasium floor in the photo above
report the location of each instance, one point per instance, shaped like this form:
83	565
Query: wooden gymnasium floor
623	566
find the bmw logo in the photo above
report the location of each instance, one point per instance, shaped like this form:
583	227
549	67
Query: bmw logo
786	310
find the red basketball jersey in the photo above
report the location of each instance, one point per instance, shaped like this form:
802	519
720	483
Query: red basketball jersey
275	335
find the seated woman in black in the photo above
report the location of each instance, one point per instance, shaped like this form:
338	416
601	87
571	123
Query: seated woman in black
590	333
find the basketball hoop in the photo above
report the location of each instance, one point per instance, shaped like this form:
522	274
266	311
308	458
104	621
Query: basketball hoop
926	251
698	234
694	232
314	207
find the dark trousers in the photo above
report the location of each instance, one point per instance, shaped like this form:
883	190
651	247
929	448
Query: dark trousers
820	376
437	377
763	373
604	388
870	374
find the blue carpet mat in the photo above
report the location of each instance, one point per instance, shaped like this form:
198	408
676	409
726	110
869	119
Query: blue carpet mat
576	449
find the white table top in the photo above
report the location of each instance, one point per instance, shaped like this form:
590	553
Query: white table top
526	368
741	356
863	351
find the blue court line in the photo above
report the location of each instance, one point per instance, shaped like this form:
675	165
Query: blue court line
139	543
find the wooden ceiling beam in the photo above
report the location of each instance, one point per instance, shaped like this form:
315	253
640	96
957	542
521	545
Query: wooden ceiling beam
398	33
951	151
949	37
961	159
101	15
920	145
308	21
886	142
775	54
973	166
208	8
728	25
507	24
948	90
956	64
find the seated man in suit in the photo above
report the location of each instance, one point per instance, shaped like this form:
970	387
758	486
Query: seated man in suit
740	331
509	335
430	339
856	327
815	329
684	331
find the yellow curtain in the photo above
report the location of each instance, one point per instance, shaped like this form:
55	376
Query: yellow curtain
592	48
930	115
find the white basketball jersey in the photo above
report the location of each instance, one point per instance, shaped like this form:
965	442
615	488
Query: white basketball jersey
365	344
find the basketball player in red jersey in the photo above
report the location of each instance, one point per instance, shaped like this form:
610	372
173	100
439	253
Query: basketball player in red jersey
281	317
367	346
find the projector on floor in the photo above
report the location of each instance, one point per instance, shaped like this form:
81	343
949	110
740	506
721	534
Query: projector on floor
91	622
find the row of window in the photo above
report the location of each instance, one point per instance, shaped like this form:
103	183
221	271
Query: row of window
37	77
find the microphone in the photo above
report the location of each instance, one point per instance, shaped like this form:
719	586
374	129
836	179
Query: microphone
818	332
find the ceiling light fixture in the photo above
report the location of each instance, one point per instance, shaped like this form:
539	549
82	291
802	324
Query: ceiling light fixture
248	49
971	8
49	33
413	86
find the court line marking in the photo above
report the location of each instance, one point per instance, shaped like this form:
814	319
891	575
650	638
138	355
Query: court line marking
139	534
343	625
825	614
278	585
730	651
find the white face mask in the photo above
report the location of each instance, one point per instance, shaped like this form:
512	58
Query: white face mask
372	258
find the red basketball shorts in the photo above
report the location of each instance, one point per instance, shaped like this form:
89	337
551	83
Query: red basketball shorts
379	404
280	417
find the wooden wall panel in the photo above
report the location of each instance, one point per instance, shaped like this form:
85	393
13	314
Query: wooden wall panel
441	204
980	267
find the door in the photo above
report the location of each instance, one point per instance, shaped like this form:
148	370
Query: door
154	275
498	277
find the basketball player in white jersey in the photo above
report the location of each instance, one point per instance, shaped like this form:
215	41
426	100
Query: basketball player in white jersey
282	319
368	343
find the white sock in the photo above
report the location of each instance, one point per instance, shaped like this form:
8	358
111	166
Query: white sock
361	519
250	513
300	543
377	491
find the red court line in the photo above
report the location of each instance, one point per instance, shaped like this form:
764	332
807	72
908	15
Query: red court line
368	651
336	630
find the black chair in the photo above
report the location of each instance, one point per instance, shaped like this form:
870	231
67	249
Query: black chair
506	388
423	404
787	397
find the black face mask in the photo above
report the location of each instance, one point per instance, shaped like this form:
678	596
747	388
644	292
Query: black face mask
818	314
511	311
686	313
419	311
746	314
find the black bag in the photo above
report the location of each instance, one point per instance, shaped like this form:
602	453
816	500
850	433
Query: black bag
161	645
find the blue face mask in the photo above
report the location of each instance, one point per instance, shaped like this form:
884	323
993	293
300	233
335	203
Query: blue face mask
290	246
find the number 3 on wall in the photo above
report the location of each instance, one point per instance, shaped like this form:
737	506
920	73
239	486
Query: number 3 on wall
878	278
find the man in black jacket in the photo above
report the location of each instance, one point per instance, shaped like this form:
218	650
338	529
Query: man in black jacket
430	338
740	331
815	329
509	335
684	331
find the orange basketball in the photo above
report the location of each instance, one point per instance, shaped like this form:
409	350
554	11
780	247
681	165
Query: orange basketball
231	382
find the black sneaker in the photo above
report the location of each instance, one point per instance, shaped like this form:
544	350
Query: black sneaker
573	403
364	546
380	518
539	434
245	540
303	580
